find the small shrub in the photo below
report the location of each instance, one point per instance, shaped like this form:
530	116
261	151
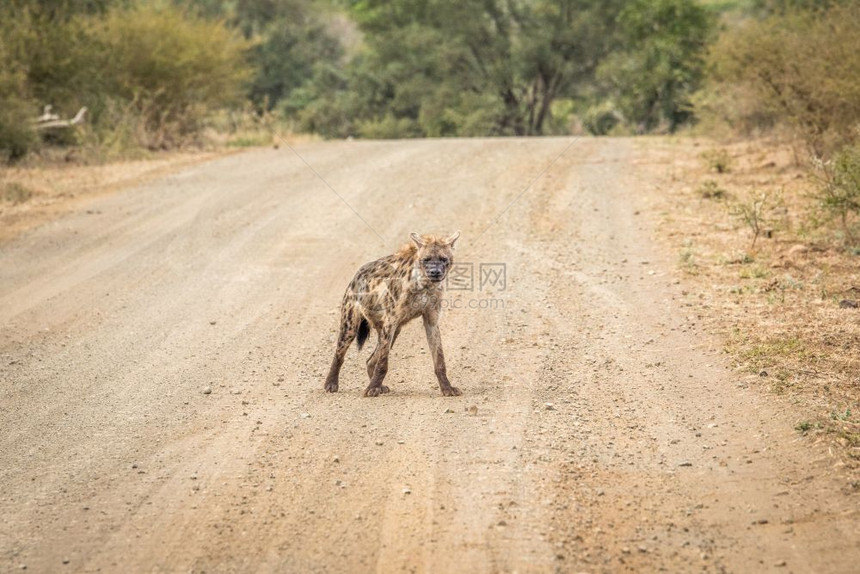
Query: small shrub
754	272
16	111
17	137
688	260
717	160
389	127
15	193
119	133
840	188
248	127
754	212
601	119
841	416
711	190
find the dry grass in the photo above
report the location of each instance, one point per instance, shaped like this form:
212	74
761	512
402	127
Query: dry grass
60	179
44	190
782	303
44	187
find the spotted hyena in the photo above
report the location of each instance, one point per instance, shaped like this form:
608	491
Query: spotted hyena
388	293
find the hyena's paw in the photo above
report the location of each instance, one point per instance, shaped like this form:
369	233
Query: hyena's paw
451	392
376	391
331	386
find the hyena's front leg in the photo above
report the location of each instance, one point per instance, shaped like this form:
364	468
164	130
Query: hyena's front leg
348	327
434	339
379	359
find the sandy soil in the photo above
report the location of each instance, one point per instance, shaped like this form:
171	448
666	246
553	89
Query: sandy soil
52	189
780	306
162	354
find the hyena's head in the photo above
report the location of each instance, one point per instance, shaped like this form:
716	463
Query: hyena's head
435	255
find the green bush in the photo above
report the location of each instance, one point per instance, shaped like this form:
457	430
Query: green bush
799	68
292	38
324	106
16	109
601	119
710	189
16	131
717	160
173	67
389	127
149	73
64	68
448	113
840	189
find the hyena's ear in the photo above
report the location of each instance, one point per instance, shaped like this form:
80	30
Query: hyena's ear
452	239
417	239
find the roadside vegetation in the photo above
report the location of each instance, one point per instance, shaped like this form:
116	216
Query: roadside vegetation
768	267
149	75
173	73
161	75
771	216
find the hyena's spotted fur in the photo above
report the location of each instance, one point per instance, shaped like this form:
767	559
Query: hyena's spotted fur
388	293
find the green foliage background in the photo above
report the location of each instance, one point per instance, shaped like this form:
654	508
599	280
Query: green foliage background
149	73
492	67
154	75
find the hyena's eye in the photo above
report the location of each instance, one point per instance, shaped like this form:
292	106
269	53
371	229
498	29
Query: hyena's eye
444	261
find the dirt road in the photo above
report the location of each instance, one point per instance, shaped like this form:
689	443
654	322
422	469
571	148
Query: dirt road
162	355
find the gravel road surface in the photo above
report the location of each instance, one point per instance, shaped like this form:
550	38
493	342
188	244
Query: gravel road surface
163	350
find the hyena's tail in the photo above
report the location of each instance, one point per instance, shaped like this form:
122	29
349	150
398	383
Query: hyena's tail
363	332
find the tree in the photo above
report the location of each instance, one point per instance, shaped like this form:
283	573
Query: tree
492	67
559	46
660	63
291	37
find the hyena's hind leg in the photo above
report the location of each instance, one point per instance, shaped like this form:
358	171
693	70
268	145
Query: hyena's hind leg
372	359
350	319
387	335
